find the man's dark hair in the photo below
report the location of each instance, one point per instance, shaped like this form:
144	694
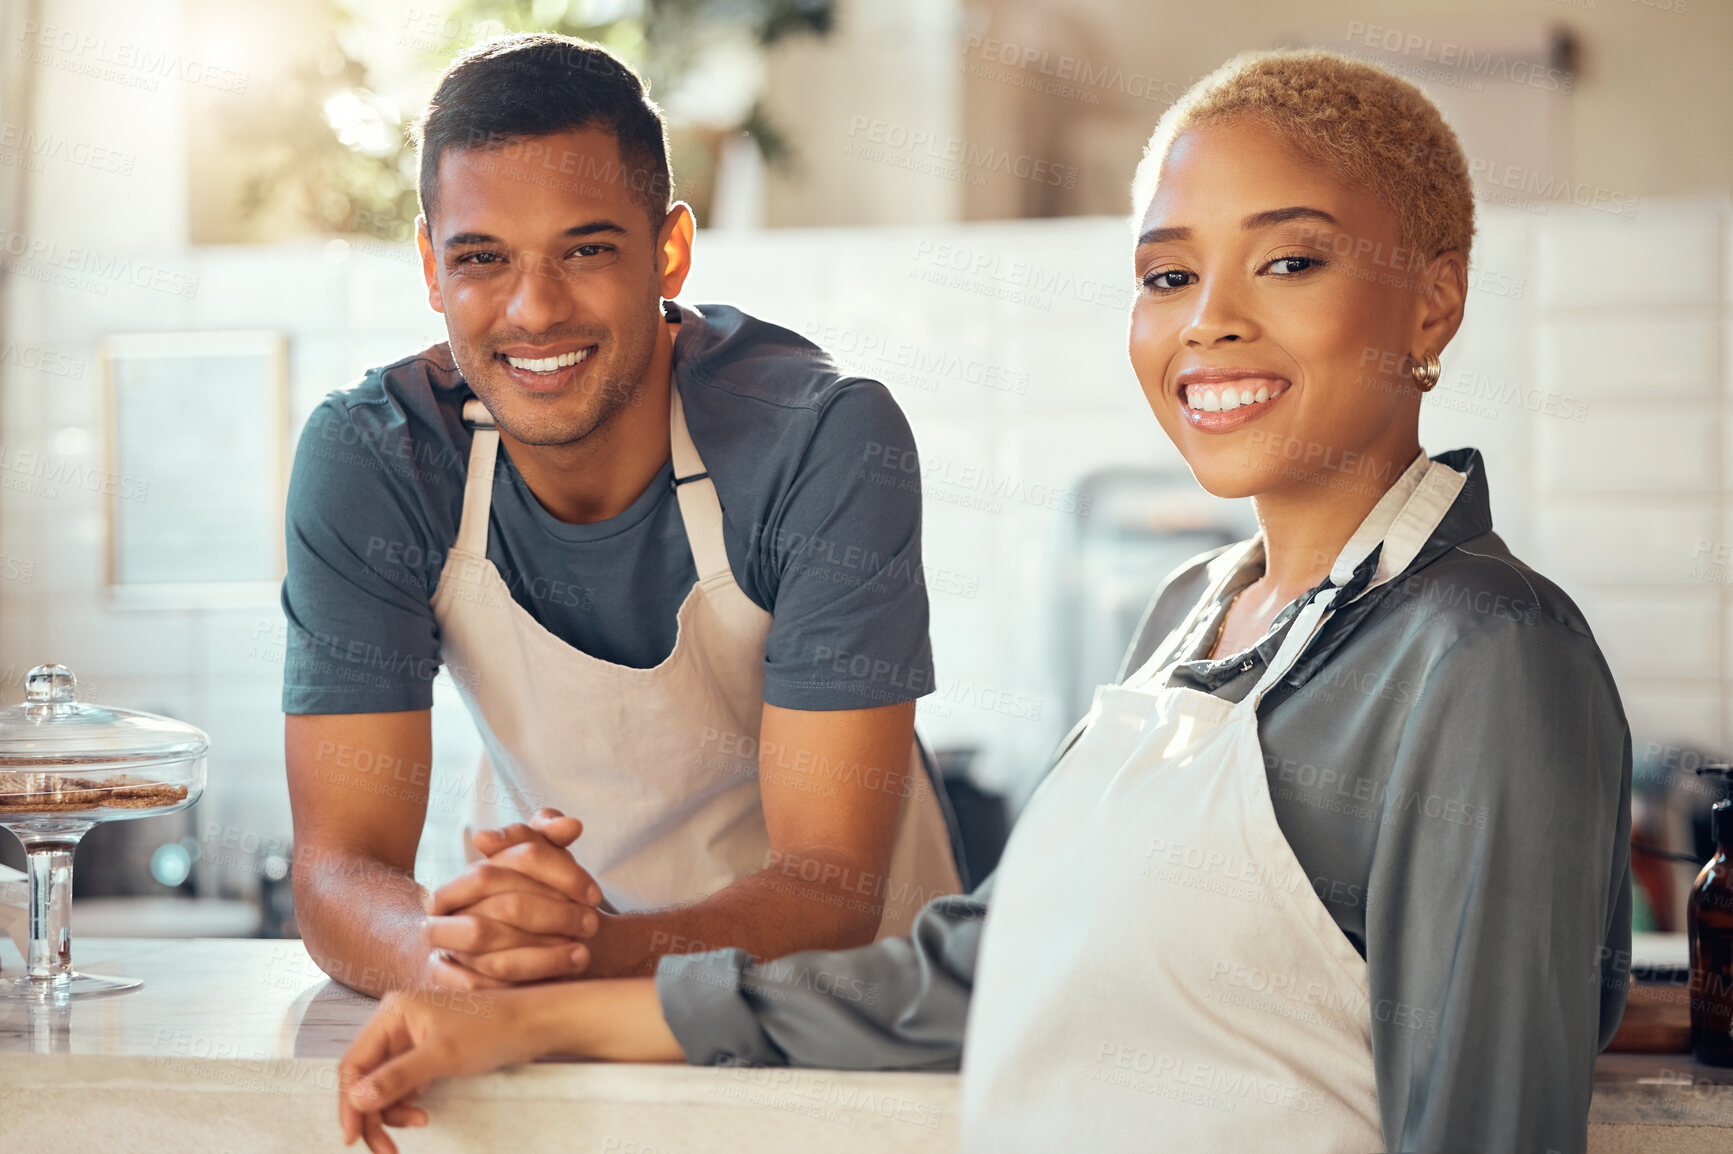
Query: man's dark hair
507	90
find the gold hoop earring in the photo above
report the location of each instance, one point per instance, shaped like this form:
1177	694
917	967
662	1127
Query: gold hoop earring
1426	372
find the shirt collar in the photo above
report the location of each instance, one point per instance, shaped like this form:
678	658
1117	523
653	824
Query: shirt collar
1387	526
1469	516
1367	542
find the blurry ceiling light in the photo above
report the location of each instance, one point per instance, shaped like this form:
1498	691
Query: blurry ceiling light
362	122
604	11
548	12
624	38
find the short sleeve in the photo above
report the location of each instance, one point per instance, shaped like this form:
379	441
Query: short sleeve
361	568
1499	896
843	553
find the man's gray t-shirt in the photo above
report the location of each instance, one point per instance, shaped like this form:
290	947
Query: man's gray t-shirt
820	491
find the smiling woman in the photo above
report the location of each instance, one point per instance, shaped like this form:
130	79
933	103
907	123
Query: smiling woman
1341	862
1264	308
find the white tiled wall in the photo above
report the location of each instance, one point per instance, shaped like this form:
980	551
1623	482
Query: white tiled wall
1589	370
1633	315
1626	317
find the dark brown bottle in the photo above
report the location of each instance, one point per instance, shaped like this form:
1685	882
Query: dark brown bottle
1709	921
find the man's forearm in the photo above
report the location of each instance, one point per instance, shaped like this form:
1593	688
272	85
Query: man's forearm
361	920
811	902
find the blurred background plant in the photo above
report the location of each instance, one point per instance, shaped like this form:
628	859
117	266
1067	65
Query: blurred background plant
325	146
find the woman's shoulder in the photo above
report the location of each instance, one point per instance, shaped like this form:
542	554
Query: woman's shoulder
1481	580
1479	629
1510	698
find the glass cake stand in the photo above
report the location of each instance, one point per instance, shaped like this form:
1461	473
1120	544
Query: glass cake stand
66	765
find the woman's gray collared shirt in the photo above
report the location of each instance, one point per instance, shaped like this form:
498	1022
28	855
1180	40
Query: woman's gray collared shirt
1451	764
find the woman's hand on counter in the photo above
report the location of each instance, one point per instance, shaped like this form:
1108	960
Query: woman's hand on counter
415	1037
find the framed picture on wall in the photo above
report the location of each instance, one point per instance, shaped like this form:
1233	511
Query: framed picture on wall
196	432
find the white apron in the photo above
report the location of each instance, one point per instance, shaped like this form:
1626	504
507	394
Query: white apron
1156	971
660	764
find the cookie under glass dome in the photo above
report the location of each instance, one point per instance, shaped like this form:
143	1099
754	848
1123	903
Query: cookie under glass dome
66	765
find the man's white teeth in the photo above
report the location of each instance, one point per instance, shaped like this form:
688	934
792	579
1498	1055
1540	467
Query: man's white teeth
1226	398
547	364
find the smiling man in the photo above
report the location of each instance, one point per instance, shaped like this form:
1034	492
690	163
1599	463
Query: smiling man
664	552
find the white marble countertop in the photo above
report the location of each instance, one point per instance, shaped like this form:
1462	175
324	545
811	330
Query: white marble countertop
224	998
232	1045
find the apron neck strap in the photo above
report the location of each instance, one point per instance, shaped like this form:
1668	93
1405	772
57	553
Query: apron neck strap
478	485
1398	527
1311	618
1402	522
700	507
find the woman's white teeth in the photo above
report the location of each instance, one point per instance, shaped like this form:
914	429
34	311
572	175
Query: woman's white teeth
1209	399
547	364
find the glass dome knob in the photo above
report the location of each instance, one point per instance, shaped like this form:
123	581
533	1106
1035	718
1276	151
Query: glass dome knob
50	685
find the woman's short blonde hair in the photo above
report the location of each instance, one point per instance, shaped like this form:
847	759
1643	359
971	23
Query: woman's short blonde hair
1376	130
